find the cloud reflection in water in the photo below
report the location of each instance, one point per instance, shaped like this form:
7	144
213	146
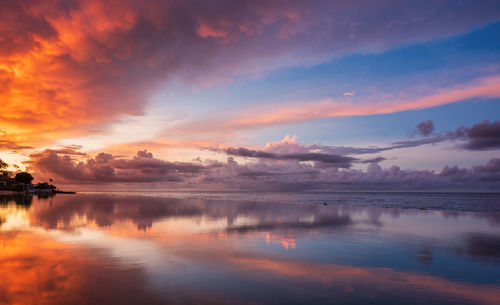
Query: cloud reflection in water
90	248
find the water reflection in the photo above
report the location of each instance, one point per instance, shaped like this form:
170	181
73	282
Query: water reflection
94	249
20	200
483	245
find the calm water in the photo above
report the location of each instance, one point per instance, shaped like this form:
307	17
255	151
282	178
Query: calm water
348	248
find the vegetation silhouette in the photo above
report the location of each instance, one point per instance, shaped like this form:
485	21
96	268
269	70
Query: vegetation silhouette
23	177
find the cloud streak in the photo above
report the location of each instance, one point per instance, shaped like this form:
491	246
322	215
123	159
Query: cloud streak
288	113
327	159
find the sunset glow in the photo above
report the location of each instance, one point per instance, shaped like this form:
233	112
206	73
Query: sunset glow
178	79
249	152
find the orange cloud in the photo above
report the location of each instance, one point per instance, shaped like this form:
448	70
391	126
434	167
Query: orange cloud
50	81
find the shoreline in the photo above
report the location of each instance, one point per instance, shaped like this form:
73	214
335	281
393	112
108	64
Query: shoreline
4	192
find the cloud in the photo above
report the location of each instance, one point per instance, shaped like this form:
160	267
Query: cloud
488	172
105	168
374	160
323	157
269	171
320	159
426	128
351	93
481	136
68	65
326	159
66	150
12	145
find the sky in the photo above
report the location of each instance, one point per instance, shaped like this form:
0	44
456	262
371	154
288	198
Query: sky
252	95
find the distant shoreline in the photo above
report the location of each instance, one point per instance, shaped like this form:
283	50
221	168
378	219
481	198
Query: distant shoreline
4	192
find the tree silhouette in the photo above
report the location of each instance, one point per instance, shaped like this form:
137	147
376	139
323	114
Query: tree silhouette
24	177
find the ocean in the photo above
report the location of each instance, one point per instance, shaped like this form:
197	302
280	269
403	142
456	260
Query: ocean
250	248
